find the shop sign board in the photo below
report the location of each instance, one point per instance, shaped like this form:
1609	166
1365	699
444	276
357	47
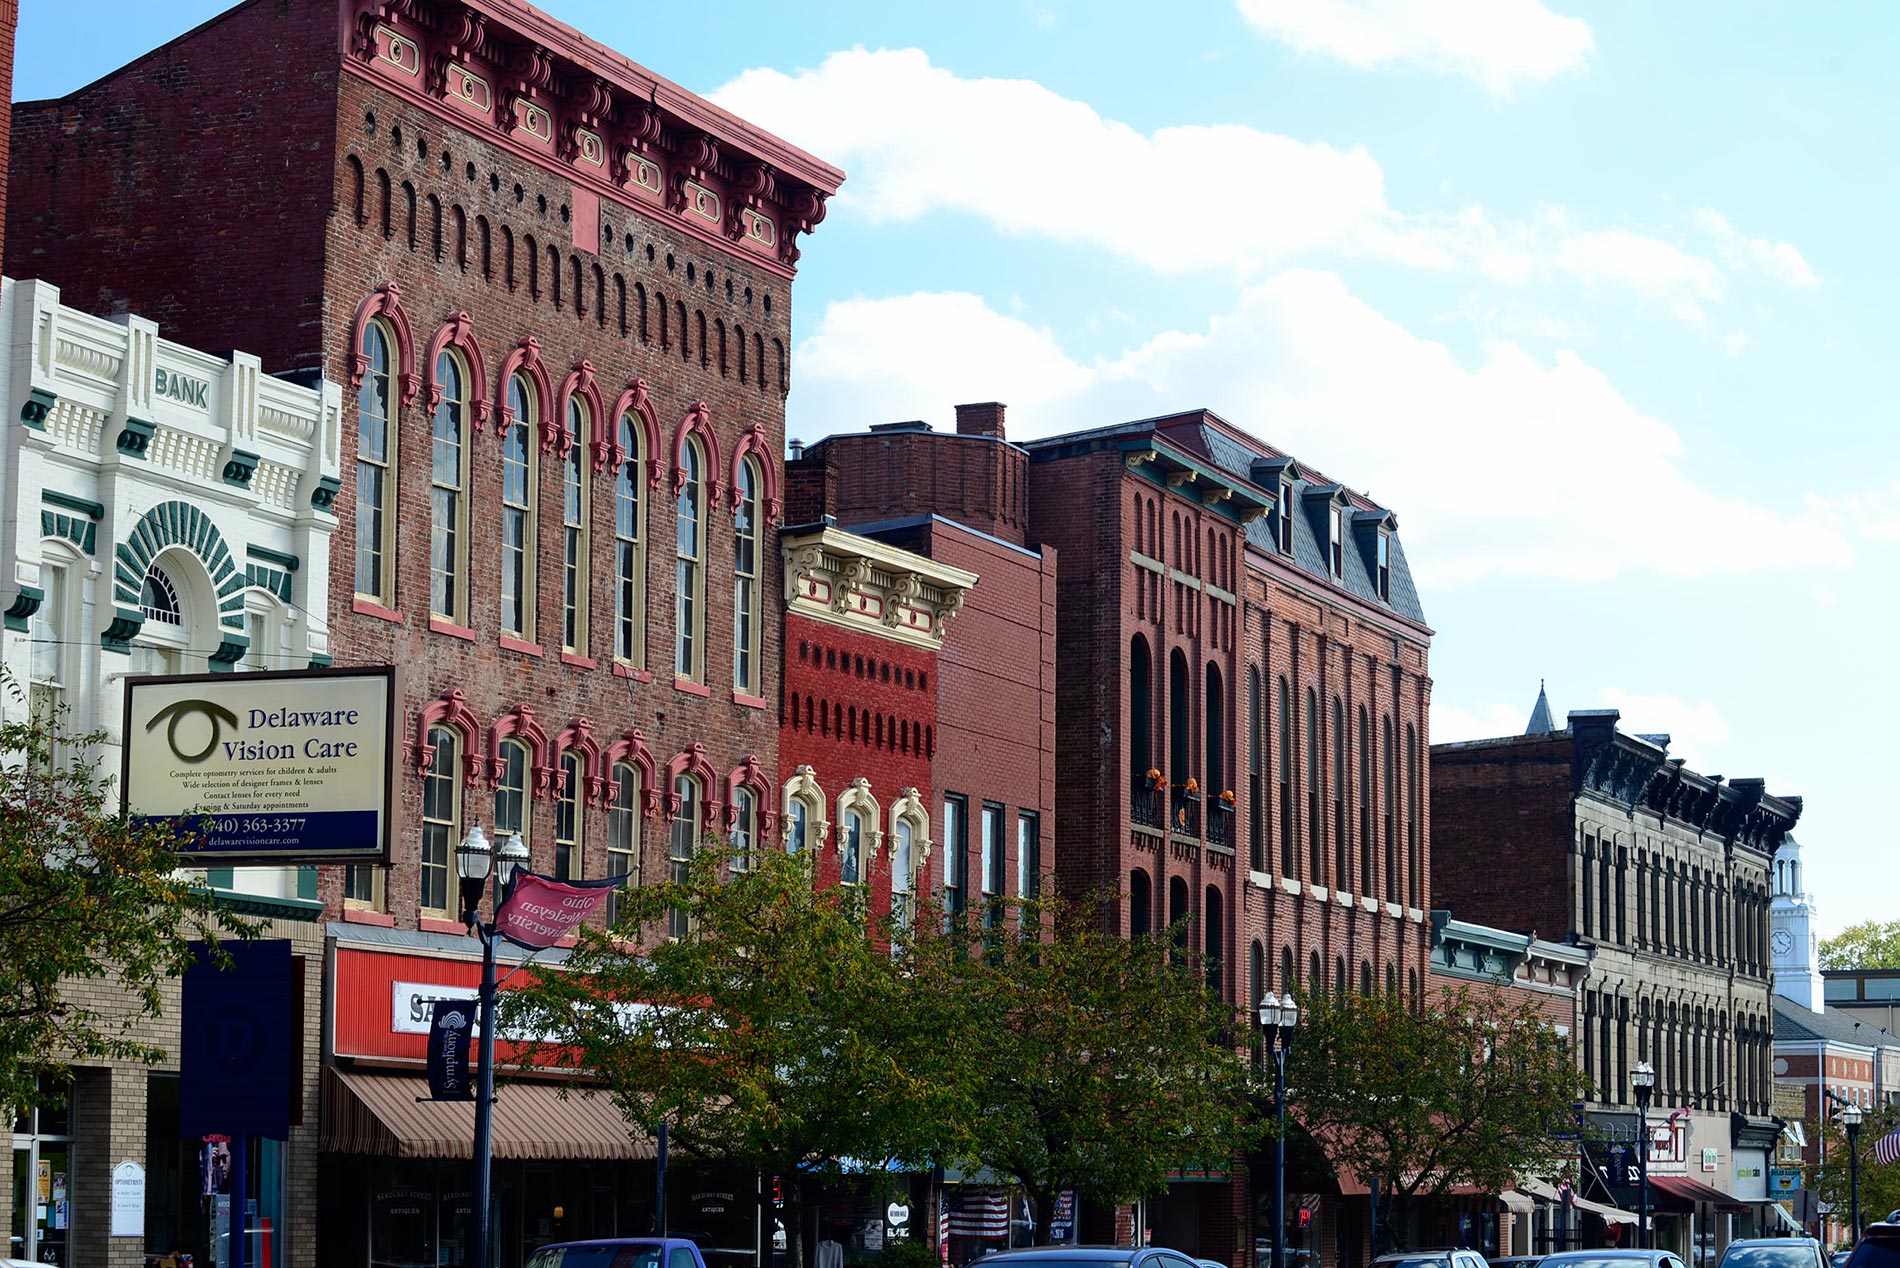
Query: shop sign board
1784	1180
272	768
128	1200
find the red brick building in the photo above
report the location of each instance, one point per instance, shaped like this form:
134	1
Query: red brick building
557	289
960	501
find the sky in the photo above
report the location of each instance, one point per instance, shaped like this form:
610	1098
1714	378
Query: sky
1595	297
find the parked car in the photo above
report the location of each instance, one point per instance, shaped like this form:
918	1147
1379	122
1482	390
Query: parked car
1879	1245
1838	1259
619	1252
1774	1252
1612	1259
1431	1257
1084	1257
1517	1261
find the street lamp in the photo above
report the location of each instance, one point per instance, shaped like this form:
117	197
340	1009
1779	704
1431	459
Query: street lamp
1850	1123
475	858
1278	1017
1643	1080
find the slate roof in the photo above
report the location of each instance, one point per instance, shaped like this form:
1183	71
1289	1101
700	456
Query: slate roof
1796	1023
1541	722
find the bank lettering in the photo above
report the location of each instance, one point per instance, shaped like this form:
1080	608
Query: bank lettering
170	383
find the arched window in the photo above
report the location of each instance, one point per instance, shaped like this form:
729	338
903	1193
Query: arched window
441	820
690	558
681	842
1414	871
1214	724
165	641
804	813
623	833
567	819
518	536
1390	762
511	791
1256	808
1365	977
1342	981
851	847
1140	710
448	508
1316	862
1256	991
1392	980
1365	808
375	446
745	827
1315	974
902	877
1211	942
630	551
1287	980
1289	829
1141	904
746	594
1180	741
1179	917
1342	842
575	548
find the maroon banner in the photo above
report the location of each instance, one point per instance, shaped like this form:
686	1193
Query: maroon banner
540	911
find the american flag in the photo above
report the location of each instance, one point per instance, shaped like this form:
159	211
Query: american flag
978	1212
1887	1148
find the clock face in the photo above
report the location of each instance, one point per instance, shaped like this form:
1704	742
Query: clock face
1784	942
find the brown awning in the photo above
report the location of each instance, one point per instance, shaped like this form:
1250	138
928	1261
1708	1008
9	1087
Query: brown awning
1684	1189
366	1113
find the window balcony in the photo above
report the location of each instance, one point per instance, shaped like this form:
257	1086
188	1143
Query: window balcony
1145	805
1185	814
1220	824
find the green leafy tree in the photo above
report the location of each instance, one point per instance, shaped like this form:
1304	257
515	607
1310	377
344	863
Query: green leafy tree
771	1031
1879	1182
1871	944
1104	1061
1471	1091
86	897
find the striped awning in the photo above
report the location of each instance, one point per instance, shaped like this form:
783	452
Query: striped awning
365	1113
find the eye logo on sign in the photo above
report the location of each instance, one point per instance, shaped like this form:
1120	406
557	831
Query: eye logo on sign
217	715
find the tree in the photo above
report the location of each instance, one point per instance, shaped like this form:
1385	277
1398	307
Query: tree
1871	944
1879	1182
1472	1091
85	896
768	1030
1104	1061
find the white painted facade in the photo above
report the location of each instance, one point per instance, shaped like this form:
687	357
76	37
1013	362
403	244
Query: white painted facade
165	511
1794	943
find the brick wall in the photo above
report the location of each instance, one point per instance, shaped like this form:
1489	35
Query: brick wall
1504	809
9	27
974	477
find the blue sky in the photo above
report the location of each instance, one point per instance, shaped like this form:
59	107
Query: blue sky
1595	298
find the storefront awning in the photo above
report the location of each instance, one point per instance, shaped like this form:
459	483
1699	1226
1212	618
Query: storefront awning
366	1113
1544	1192
1519	1203
1694	1192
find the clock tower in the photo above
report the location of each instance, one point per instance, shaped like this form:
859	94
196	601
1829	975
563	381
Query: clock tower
1795	946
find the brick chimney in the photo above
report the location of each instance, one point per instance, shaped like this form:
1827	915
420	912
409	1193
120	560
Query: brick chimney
984	419
9	25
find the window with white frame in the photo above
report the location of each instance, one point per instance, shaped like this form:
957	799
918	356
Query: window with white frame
804	812
910	843
448	505
745	828
623	833
681	843
441	819
1336	533
956	832
630	555
567	819
511	791
995	848
857	832
746	620
517	511
574	519
690	566
48	689
375	476
1028	855
164	640
1286	517
1383	578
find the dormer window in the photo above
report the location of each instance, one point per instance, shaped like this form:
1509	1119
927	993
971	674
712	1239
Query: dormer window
1336	518
1286	517
1383	577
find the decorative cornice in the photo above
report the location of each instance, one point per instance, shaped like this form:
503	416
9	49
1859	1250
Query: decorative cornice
864	584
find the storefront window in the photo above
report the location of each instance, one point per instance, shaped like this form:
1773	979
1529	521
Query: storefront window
42	1178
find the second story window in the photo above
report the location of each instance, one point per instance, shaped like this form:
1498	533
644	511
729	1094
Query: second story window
901	876
630	556
441	819
511	791
567	820
574	516
745	583
375	525
1286	517
1028	856
745	828
1336	532
517	512
623	833
1383	578
995	847
690	559
681	842
851	849
448	477
956	828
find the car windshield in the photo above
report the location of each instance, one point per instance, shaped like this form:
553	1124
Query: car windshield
596	1257
1877	1253
1591	1261
1416	1261
1769	1256
1057	1261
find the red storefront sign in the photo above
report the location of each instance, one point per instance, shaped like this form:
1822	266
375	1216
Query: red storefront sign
381	1001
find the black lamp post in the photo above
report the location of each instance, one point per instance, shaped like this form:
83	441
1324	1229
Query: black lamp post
475	858
1850	1123
1278	1017
1643	1081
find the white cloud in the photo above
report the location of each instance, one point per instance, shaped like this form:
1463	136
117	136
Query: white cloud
1696	729
919	139
1735	343
1498	43
1519	464
1777	260
1487	722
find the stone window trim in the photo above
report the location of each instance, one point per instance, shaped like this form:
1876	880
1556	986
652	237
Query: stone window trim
631	748
580	382
750	773
857	796
596	773
450	709
636	403
525	358
803	787
910	808
519	723
697	421
692	761
458	332
771	502
385	302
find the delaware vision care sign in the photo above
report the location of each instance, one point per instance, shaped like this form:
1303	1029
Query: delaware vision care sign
291	767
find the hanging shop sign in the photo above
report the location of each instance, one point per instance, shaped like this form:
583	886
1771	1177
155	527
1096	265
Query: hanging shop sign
291	767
